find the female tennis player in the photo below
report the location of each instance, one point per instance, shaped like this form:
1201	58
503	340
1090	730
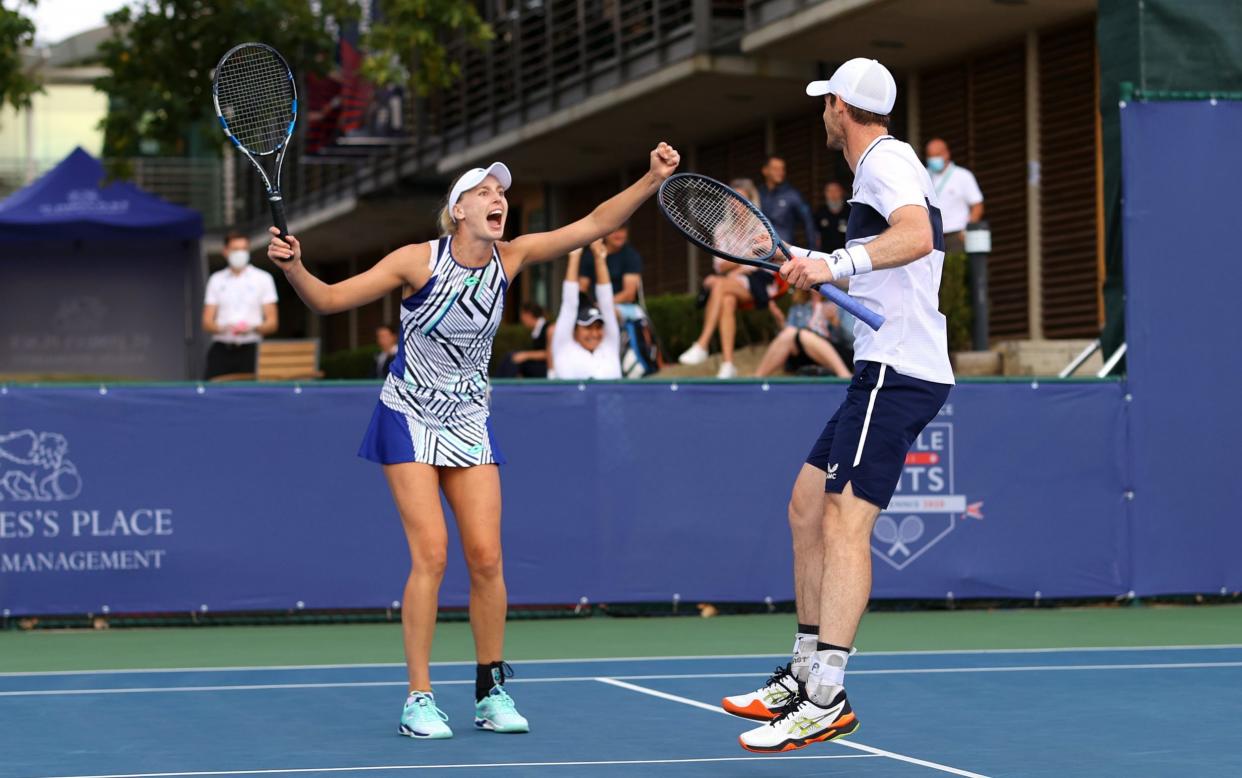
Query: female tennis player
431	430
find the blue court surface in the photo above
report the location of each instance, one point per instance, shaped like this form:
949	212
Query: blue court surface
1094	712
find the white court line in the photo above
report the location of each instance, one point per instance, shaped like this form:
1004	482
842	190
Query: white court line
847	743
293	770
579	678
590	660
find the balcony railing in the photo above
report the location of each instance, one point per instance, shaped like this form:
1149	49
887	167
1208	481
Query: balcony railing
546	55
550	55
763	12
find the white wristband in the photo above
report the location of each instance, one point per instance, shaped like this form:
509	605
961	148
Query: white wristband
843	262
848	262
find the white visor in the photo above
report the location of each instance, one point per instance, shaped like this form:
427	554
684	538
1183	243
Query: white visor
473	177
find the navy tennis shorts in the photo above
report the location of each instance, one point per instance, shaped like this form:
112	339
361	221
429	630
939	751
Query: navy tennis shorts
866	441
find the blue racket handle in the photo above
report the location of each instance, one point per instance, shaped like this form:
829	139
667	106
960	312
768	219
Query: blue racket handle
860	311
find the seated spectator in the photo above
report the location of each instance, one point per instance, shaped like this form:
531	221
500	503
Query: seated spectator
386	339
532	362
805	339
586	342
732	286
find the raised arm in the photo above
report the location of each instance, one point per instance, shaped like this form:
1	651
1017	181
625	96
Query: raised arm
407	266
563	335
571	267
600	253
607	216
608	309
603	296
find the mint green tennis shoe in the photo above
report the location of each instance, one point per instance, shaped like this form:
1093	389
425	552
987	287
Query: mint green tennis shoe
497	712
422	719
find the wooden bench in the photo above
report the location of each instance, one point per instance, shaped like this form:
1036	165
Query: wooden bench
282	360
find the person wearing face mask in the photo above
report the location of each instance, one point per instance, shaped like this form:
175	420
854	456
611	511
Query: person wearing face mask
961	202
832	217
591	347
431	429
239	309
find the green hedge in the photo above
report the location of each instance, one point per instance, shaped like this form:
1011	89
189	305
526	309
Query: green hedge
350	363
510	337
955	301
678	323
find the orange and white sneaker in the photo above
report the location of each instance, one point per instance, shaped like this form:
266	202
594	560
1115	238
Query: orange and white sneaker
798	727
767	702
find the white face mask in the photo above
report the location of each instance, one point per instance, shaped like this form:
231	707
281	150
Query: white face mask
239	259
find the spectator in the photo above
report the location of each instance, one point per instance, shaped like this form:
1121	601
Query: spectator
732	286
586	342
239	309
386	339
832	217
625	268
533	362
804	340
961	202
783	206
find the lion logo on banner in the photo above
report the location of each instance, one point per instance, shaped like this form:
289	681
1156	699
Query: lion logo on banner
33	467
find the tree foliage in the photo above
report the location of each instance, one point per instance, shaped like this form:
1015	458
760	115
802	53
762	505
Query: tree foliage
162	52
17	83
408	45
161	55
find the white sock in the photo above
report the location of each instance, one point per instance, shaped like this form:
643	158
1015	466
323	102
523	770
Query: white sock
803	655
827	676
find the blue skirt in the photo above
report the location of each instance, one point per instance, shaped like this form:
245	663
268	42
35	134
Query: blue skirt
392	438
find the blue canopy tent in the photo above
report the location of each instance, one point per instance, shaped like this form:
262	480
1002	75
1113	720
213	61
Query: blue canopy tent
97	280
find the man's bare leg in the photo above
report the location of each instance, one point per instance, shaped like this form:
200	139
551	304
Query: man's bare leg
806	525
848	521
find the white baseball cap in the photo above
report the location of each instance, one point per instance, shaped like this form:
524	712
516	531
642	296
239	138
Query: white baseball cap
473	177
861	82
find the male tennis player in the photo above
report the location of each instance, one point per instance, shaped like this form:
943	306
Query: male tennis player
892	262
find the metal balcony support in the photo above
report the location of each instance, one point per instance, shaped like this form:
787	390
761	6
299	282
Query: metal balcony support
1078	361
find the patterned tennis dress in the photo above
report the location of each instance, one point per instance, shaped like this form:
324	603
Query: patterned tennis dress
434	406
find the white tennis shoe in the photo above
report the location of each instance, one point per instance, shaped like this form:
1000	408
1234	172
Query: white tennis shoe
765	703
695	355
798	727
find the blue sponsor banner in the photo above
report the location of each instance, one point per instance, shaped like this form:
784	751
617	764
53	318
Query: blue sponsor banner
1183	276
248	498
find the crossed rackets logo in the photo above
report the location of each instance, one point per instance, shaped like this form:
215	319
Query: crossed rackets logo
898	535
927	506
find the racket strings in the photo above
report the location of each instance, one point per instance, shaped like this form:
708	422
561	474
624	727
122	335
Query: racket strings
715	217
256	96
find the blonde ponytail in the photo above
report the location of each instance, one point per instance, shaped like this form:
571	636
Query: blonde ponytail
445	222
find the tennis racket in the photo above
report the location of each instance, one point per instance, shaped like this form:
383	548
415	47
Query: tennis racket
257	103
717	219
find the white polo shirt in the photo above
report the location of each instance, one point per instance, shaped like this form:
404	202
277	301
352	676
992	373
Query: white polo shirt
239	299
913	339
958	191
